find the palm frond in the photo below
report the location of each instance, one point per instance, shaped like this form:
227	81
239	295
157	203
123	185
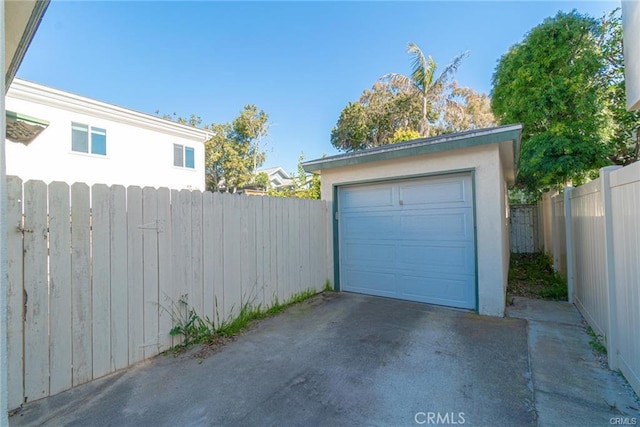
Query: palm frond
402	81
450	69
422	67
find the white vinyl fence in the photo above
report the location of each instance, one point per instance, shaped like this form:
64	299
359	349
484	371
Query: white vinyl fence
93	272
594	233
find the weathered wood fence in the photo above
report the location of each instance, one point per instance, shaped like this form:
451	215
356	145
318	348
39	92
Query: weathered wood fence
94	272
593	234
524	231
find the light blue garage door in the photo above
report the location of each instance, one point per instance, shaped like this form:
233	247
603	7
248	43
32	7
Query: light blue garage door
410	239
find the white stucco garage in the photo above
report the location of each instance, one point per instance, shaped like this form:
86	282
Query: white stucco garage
424	220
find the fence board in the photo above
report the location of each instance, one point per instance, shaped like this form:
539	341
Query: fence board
165	274
232	256
281	245
36	338
304	230
272	290
150	271
208	255
119	310
196	293
218	259
80	284
60	287
101	280
185	280
267	280
15	301
294	253
176	259
135	280
259	249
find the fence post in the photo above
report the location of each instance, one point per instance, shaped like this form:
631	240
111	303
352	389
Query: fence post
555	242
612	333
568	224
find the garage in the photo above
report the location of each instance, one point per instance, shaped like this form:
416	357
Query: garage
425	220
411	239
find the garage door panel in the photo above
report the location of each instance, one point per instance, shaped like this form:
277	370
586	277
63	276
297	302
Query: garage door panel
367	254
413	240
449	225
368	226
367	198
444	291
370	282
428	259
434	193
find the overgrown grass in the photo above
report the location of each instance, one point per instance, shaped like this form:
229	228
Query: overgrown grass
532	275
198	330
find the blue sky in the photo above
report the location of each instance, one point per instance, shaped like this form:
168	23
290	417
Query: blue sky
301	62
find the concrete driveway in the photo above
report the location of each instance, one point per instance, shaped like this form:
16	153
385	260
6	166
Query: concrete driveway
336	360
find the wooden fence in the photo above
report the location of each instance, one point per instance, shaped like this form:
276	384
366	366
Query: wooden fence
94	272
524	234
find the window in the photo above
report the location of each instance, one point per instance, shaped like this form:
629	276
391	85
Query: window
81	143
183	156
188	157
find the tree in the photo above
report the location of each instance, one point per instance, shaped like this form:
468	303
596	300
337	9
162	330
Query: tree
304	186
550	82
424	85
467	109
233	153
375	117
624	145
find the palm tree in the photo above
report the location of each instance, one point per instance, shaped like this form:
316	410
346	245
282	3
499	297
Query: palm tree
423	83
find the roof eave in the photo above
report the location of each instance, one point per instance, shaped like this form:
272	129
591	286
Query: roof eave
510	133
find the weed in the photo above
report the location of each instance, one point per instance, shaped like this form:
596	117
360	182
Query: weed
198	330
532	275
327	286
596	341
188	324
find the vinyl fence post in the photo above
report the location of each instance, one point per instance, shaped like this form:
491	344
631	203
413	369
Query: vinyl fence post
568	224
612	333
555	242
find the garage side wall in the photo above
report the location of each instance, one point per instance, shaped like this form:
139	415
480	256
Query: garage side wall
490	217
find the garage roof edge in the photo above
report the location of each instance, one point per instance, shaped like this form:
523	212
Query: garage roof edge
453	141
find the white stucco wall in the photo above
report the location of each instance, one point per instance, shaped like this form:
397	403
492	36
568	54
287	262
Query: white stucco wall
631	29
139	146
492	237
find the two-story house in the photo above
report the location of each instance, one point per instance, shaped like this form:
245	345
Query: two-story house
58	136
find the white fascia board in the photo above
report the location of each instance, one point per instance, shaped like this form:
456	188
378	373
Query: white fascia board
29	91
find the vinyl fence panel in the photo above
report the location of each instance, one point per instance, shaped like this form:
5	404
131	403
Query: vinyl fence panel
603	220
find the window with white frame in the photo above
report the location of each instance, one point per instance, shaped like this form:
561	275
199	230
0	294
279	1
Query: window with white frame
183	156
88	139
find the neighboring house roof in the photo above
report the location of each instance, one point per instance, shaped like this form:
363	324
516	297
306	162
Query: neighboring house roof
21	20
34	92
508	135
278	177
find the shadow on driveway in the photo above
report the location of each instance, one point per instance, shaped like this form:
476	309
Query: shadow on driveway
336	359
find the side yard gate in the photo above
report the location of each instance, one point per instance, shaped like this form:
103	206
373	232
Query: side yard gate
523	229
95	274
